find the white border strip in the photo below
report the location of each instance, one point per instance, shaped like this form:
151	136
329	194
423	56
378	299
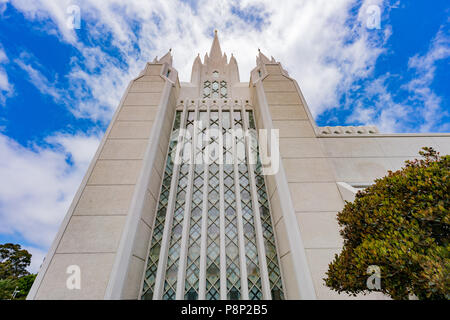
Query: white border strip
162	262
204	230
187	215
265	283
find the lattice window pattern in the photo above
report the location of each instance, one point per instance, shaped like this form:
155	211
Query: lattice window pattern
204	175
276	285
155	246
231	231
251	251
177	222
215	89
213	249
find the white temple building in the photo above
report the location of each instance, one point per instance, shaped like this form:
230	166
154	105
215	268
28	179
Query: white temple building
144	226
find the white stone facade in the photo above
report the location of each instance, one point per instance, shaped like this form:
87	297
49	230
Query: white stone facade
108	229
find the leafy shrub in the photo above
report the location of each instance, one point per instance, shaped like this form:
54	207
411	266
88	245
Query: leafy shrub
400	224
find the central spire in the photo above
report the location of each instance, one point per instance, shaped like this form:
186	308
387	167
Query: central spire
216	52
215	65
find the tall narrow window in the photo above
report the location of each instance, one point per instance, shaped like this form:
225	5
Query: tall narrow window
223	89
160	218
207	89
193	255
215	89
251	252
213	244
178	215
231	231
214	189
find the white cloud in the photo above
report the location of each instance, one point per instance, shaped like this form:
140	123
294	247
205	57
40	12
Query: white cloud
422	108
420	86
6	88
38	184
3	57
320	42
39	80
37	258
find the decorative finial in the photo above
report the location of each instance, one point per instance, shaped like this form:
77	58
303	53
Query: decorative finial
170	50
215	31
259	50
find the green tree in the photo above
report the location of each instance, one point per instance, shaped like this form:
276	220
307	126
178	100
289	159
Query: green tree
13	261
16	289
7	287
400	224
24	284
15	280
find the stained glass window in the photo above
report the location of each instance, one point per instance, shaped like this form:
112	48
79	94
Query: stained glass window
193	255
251	252
160	218
231	231
177	221
213	244
207	89
223	89
205	196
215	89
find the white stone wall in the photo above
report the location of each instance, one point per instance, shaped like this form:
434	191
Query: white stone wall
92	232
313	165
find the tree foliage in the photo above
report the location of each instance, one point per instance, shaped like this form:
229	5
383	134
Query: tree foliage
13	261
15	280
16	289
400	224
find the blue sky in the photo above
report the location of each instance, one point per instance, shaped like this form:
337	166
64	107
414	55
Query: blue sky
60	86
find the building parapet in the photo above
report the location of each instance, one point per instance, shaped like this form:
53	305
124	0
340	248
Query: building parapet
347	130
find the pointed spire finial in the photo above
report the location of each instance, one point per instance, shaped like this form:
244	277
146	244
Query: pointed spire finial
216	52
262	58
167	58
197	59
233	59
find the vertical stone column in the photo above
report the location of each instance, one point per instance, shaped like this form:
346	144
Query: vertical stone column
303	194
